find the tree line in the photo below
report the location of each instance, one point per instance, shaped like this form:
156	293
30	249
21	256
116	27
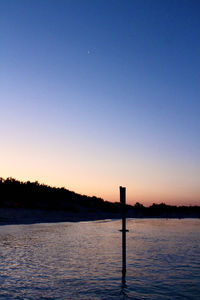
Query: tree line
33	195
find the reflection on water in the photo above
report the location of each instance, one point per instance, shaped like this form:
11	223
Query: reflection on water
83	260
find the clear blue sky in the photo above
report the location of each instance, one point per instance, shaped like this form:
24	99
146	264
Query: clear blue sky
96	94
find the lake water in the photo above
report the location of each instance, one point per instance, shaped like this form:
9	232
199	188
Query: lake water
83	260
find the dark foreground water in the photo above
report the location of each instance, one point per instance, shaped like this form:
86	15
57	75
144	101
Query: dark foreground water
83	260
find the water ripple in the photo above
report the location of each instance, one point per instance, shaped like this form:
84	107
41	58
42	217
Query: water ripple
83	260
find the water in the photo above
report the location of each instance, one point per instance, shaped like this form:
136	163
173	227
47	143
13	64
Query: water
83	260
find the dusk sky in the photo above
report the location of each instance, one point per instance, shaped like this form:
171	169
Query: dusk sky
95	94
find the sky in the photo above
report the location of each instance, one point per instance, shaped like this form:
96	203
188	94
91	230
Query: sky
98	94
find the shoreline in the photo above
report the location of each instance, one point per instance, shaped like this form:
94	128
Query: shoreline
19	216
24	216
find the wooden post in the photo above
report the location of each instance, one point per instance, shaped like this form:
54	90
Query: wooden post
123	205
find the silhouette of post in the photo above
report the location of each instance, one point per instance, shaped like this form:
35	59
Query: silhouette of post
123	207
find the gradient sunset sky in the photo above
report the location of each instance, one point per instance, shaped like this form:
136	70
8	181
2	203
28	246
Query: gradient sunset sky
95	94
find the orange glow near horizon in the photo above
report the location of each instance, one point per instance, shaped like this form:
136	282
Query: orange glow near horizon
133	195
82	173
95	180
